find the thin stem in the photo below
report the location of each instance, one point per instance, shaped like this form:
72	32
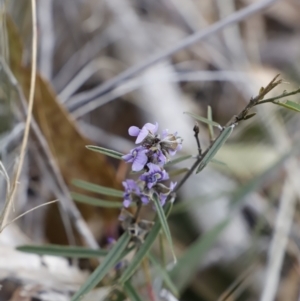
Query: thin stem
237	118
196	131
137	212
284	94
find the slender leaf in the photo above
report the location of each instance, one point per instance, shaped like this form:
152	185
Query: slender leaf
67	251
210	127
144	249
97	188
203	119
164	223
164	275
218	143
177	172
95	202
108	262
177	160
291	105
105	151
218	162
131	293
187	265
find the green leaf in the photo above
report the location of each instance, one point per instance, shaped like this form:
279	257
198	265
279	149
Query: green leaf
203	119
144	249
131	293
97	188
217	144
108	263
177	160
187	265
95	202
210	127
105	151
164	223
291	105
177	172
218	162
164	275
66	251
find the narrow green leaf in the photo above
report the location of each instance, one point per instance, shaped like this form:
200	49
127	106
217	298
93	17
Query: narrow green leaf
164	275
187	265
291	105
218	143
105	151
210	127
66	251
97	188
218	162
108	262
144	249
177	172
131	293
94	201
203	119
177	160
164	223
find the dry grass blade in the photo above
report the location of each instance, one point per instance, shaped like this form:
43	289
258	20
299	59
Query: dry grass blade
191	40
13	189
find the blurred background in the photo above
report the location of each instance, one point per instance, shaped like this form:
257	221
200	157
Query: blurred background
82	46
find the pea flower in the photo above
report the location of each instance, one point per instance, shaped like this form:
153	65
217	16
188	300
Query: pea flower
154	175
138	157
133	193
147	131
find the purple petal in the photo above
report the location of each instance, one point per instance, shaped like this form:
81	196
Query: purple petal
165	176
133	131
151	127
145	200
128	158
153	168
163	198
132	184
126	203
172	185
161	158
125	185
142	135
150	185
140	161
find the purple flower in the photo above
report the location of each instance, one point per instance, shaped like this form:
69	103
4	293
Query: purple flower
132	190
138	158
154	175
170	143
141	134
133	193
158	158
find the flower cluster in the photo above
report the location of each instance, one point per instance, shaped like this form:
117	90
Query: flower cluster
150	156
